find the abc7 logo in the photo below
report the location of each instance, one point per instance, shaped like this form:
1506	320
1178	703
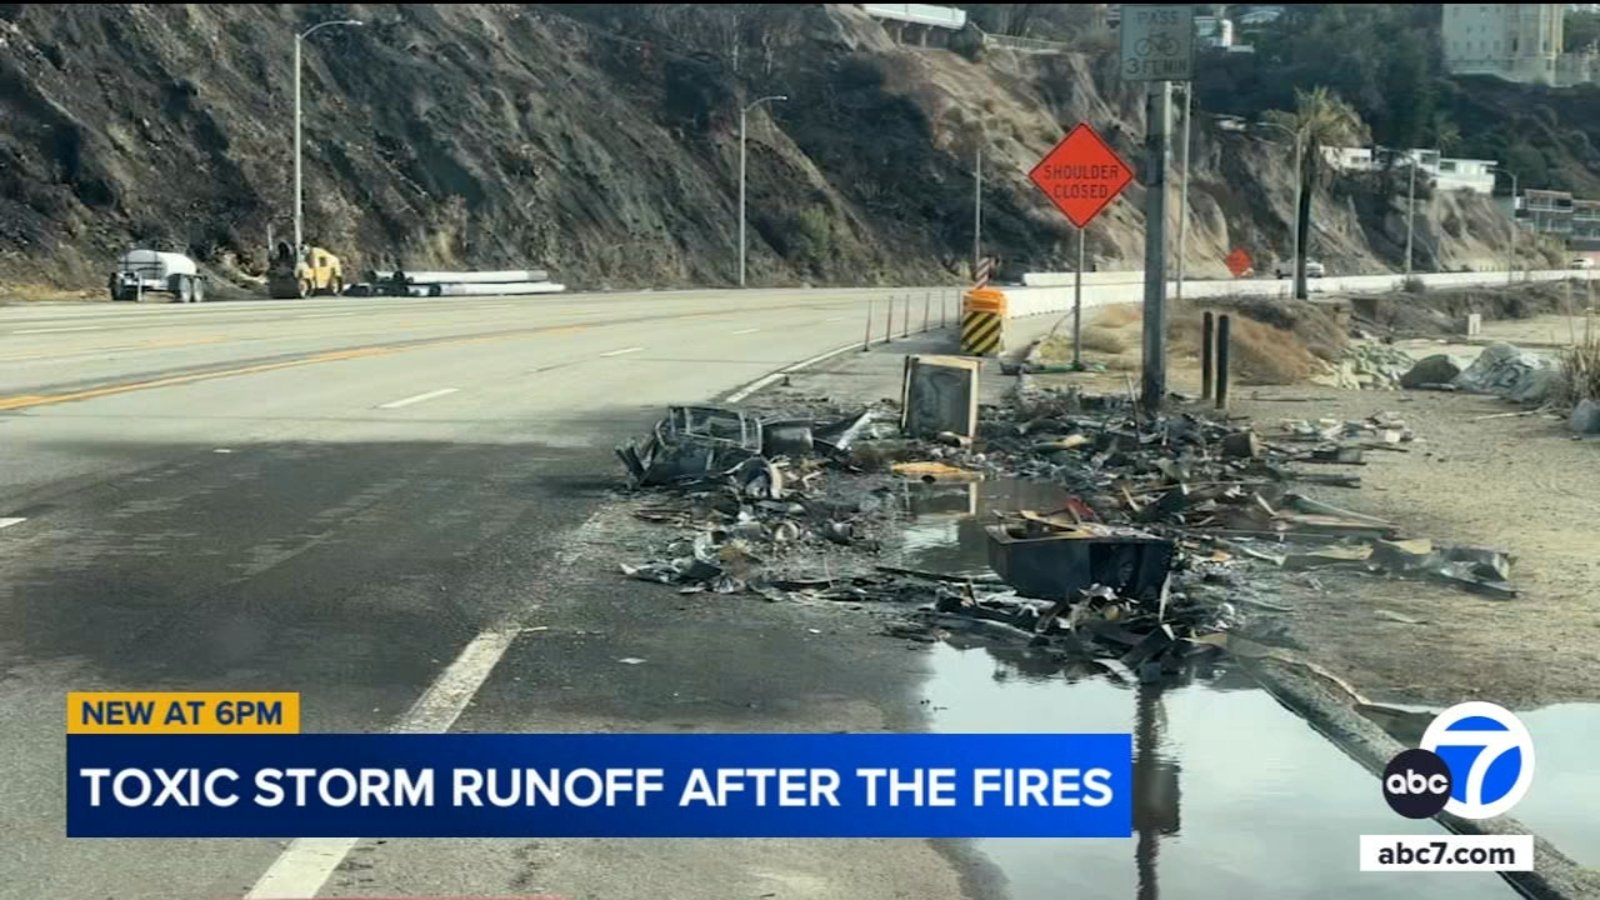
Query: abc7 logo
1475	761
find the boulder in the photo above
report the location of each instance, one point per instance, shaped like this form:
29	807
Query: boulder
1435	369
1586	417
1504	370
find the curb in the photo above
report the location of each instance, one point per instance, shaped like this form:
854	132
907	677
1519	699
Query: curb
1555	875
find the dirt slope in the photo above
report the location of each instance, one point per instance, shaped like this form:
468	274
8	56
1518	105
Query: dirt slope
598	141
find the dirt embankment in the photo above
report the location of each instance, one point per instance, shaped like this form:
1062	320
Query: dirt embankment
1272	341
1481	473
601	142
1434	313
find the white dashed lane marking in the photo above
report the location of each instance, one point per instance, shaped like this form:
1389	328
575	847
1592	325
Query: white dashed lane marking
420	398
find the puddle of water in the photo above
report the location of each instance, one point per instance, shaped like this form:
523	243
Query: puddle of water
1559	806
1235	795
1563	771
945	530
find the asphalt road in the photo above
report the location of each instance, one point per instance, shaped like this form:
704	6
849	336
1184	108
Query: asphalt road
369	501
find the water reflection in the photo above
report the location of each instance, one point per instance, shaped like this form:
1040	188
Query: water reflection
1564	770
1155	788
945	531
1233	795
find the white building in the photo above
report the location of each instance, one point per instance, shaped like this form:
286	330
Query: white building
1515	41
1447	173
1465	175
1253	16
1212	31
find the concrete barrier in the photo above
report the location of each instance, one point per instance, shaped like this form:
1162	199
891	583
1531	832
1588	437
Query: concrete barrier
1039	297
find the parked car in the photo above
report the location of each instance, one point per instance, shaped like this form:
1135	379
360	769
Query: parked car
1581	262
1285	269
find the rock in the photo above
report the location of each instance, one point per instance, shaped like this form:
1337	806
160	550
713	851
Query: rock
1536	386
1435	369
1504	370
1586	417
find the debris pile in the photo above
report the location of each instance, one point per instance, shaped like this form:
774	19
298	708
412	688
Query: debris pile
748	487
1367	365
1144	565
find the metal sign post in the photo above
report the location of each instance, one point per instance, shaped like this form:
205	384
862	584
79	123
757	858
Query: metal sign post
1081	176
1158	47
1077	309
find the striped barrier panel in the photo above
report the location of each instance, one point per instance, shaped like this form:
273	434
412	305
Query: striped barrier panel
983	313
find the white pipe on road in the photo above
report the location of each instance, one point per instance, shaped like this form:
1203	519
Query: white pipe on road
496	289
506	276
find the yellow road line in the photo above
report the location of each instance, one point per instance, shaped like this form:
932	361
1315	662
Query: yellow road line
24	401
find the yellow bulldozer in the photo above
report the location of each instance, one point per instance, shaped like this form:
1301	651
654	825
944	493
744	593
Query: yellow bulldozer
312	271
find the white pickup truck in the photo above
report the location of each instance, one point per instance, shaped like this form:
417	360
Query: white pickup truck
140	272
1285	269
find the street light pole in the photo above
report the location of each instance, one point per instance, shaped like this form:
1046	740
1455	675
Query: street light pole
1183	184
299	184
1511	245
977	210
1299	185
743	117
1411	213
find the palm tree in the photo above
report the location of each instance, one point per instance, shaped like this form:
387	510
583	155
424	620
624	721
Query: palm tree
1320	119
1446	136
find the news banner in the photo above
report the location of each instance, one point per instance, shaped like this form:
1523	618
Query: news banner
236	765
217	765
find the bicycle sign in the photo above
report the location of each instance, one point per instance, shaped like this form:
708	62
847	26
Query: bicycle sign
1157	43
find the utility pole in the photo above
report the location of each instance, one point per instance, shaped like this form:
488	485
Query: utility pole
977	209
1411	213
1183	184
299	188
743	116
1158	129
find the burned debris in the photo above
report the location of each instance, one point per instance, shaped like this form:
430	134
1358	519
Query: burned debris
1171	528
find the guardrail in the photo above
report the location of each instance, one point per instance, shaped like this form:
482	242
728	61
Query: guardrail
919	14
1107	288
1026	44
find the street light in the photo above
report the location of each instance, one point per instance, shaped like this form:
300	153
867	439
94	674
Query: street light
1299	178
1411	210
1183	184
743	114
1511	246
299	188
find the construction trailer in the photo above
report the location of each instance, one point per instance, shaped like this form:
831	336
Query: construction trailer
141	272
